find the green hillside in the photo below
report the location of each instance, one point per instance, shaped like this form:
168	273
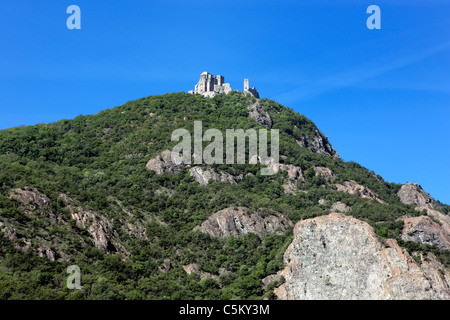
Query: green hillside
96	165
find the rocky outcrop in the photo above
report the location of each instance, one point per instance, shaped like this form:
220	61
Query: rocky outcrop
166	266
293	172
99	228
424	230
135	231
272	279
259	114
325	173
195	268
352	187
317	144
206	175
340	207
29	198
442	218
46	252
8	231
412	193
163	163
339	257
436	272
295	176
240	221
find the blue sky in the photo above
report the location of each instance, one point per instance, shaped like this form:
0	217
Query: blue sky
381	96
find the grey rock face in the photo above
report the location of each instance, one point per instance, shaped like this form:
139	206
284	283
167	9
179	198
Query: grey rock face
205	175
317	144
163	163
195	268
46	252
325	173
29	197
166	266
259	114
436	272
442	218
340	257
99	228
240	221
352	187
340	207
424	230
295	176
411	193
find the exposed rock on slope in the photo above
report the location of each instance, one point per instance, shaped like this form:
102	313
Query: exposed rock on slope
317	144
340	257
259	114
340	207
424	230
99	228
163	163
325	173
31	198
436	272
352	187
239	221
411	193
295	176
195	268
205	175
442	218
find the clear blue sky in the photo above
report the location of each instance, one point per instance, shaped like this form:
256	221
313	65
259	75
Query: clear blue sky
381	96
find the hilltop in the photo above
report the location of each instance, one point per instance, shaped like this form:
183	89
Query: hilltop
101	192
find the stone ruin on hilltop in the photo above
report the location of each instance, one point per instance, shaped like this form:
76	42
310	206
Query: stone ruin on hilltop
210	86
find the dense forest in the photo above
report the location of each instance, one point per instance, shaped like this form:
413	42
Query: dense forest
99	163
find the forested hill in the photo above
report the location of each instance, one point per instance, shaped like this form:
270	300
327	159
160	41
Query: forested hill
99	192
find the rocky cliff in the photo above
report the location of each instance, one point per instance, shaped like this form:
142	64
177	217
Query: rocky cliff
317	143
340	257
433	228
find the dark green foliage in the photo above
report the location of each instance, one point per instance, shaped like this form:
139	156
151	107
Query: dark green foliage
99	161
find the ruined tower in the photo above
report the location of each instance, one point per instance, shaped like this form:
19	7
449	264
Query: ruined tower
210	85
251	91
